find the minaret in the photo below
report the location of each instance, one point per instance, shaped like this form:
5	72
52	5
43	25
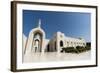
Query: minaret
39	23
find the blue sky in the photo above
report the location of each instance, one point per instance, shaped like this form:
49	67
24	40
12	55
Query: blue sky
73	24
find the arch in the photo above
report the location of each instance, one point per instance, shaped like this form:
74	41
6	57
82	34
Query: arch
61	43
37	41
29	45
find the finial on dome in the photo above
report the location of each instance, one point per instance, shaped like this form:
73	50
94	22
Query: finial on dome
39	23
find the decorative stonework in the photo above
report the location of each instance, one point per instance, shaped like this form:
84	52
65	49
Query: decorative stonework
36	41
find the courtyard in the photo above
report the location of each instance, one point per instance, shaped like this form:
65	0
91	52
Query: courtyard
54	56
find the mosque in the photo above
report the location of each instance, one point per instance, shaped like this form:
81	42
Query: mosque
37	42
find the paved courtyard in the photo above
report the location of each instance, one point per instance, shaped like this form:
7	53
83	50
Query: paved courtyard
54	56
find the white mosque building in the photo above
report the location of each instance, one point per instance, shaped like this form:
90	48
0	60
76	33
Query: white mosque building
37	42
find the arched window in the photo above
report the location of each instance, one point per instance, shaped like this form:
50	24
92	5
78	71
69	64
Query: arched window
61	43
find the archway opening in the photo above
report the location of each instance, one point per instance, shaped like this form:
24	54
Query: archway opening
37	42
61	43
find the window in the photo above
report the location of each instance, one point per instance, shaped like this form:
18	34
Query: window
84	44
71	43
61	43
74	43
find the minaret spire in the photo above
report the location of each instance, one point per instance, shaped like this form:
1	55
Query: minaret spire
39	23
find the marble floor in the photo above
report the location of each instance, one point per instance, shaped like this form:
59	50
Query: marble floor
54	56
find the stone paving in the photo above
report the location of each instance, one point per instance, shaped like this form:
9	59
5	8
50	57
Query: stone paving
54	56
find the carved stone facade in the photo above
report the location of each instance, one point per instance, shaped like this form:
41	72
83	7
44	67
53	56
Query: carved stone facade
37	42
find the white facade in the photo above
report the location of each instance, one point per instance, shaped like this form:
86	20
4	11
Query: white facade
60	41
37	42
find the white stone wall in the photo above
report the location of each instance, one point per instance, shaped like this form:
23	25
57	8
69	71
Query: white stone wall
46	41
30	40
54	42
67	41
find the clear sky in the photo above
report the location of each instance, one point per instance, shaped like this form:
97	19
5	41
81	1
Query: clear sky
73	24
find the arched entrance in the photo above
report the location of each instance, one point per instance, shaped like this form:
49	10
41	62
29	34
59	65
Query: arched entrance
48	48
61	43
36	33
37	42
